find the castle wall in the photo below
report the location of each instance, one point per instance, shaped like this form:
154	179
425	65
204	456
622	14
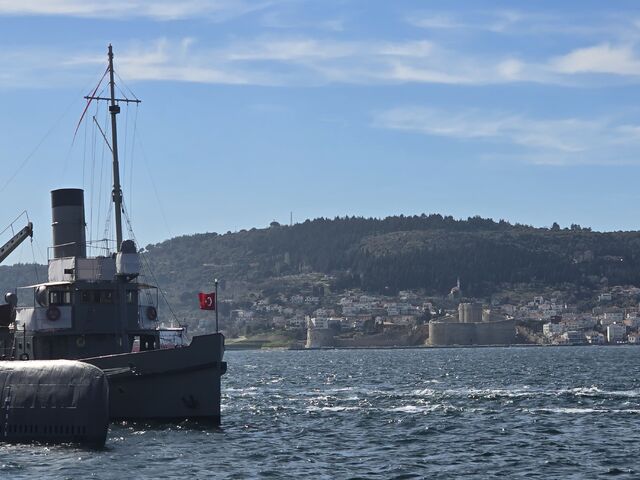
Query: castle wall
480	333
502	332
320	337
399	337
470	312
391	337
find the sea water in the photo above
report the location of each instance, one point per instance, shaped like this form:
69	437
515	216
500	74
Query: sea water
547	412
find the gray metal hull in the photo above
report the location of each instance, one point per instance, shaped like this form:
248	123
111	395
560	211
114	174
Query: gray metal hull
166	384
53	401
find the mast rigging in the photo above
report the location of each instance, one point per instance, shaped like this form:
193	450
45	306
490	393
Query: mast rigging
114	109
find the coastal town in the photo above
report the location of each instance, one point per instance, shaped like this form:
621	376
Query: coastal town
356	318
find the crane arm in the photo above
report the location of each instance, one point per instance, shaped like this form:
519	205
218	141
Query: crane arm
15	241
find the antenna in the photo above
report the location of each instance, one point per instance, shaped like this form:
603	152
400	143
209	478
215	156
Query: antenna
114	109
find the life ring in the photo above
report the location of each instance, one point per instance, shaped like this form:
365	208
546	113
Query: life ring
152	313
80	341
24	356
53	313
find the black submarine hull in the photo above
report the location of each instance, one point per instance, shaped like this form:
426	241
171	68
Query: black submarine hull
53	401
166	384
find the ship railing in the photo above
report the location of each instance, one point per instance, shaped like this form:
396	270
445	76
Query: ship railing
93	248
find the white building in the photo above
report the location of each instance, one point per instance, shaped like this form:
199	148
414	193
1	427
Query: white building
358	322
367	299
604	297
596	339
549	313
616	316
573	337
407	295
632	320
296	322
324	322
575	322
403	320
401	308
297	299
551	329
611	317
616	333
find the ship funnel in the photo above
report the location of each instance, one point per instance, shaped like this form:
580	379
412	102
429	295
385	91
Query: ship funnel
67	214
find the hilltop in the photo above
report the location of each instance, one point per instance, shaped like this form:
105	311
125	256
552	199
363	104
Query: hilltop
425	252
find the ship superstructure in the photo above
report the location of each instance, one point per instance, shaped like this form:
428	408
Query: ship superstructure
89	306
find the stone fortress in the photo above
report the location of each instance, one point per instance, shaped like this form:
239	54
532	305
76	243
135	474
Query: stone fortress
472	326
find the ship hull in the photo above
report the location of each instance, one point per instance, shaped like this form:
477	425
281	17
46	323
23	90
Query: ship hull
166	384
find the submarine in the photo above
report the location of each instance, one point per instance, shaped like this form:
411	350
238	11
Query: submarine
57	401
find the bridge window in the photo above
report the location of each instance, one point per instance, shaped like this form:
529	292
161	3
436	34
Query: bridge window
106	296
59	297
131	298
98	296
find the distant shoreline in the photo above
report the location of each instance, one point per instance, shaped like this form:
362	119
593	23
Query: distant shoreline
420	347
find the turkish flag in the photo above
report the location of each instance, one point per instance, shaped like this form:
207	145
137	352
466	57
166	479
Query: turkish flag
207	301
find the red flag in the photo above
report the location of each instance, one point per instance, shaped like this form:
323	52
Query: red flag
207	301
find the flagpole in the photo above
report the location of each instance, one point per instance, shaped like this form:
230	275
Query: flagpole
216	306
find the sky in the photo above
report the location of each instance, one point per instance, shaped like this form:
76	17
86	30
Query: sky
258	110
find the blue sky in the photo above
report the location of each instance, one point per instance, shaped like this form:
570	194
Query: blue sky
527	111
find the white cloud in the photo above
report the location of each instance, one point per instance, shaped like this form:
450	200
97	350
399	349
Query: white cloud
551	141
312	61
289	50
511	69
327	57
594	25
604	58
281	20
270	61
126	9
405	73
177	61
498	21
436	21
160	60
420	48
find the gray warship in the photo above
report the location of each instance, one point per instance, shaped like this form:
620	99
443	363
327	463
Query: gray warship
96	310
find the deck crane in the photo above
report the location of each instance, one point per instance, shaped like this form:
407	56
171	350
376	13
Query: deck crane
7	311
15	241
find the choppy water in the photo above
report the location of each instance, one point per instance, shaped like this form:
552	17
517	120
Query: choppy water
438	413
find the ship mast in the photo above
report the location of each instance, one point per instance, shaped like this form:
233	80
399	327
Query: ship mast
116	194
114	109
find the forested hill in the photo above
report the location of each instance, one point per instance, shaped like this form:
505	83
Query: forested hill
426	252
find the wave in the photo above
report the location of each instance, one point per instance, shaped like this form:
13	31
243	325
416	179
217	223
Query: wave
524	392
583	410
334	408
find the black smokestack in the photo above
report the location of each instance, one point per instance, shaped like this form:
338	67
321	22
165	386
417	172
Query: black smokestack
67	214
